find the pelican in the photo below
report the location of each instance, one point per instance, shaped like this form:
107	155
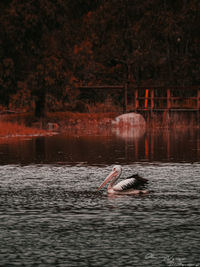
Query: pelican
133	185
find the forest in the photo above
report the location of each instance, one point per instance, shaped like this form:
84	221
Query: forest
50	48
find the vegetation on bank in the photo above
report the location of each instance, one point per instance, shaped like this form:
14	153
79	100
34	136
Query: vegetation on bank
27	123
10	129
49	49
68	118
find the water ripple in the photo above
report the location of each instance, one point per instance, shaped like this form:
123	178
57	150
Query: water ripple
51	215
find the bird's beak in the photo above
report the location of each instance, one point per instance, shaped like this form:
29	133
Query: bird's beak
108	179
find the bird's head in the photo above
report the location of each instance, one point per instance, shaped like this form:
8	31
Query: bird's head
117	168
114	174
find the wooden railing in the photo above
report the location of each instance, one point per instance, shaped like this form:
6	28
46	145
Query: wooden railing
155	99
166	100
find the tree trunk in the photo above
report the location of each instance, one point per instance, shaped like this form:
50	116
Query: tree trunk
40	104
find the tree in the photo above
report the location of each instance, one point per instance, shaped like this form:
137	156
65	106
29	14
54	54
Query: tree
32	35
145	42
7	80
49	77
51	45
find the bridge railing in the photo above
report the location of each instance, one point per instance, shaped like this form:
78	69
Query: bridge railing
155	99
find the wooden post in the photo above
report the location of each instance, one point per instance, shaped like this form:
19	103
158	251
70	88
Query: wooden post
146	99
168	99
152	100
136	99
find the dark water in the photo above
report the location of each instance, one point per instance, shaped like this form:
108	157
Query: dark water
51	214
123	147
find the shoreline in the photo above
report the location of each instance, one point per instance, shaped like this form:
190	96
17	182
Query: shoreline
24	125
12	131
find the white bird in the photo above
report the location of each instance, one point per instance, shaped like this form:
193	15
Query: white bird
131	186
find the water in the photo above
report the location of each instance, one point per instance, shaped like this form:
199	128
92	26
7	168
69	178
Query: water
51	214
123	147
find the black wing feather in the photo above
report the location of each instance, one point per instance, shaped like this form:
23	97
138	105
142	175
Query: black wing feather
139	178
138	183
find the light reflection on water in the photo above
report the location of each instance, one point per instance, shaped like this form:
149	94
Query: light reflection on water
123	147
52	215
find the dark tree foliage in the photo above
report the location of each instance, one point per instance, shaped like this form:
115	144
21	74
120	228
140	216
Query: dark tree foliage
53	46
150	41
32	42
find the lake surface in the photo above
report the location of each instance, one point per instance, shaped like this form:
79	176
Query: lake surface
52	215
121	146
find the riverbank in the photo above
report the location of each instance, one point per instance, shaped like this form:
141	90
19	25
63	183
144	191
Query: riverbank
55	117
60	121
10	131
25	124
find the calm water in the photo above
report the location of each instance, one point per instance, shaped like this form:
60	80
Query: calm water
51	214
